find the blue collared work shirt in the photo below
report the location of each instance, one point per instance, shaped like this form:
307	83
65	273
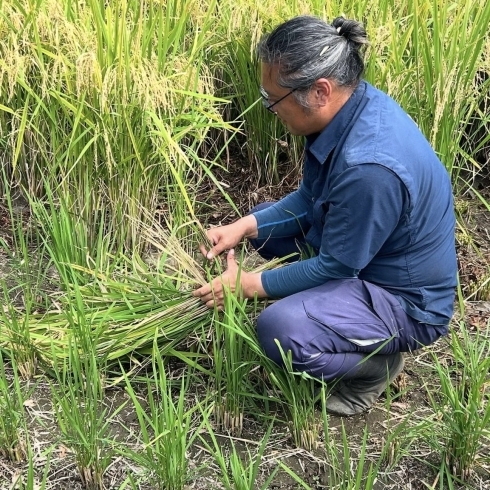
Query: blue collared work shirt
375	202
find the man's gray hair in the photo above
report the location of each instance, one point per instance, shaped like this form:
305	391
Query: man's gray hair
307	48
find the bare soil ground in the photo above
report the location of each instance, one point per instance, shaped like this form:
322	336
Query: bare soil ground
417	466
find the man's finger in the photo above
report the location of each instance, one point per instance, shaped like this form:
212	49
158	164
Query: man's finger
202	249
203	291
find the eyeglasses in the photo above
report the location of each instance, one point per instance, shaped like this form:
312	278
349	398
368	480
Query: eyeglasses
265	99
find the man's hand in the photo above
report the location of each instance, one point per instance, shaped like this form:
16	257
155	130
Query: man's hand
214	293
228	236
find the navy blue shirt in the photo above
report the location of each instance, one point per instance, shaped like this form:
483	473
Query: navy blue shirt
375	202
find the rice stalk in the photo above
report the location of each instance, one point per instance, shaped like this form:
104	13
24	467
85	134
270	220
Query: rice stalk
82	418
234	360
129	305
167	429
13	423
88	88
460	431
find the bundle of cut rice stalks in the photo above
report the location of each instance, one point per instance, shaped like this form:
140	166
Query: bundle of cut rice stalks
123	313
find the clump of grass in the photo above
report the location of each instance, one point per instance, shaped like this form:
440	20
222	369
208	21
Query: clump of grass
13	428
462	404
346	470
83	423
400	436
168	429
230	369
297	391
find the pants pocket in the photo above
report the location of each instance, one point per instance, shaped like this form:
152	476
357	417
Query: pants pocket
357	311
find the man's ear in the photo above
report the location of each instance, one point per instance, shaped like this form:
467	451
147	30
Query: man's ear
322	91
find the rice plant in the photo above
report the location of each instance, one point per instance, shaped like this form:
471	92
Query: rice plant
82	419
78	394
22	289
429	54
347	471
299	392
117	102
128	304
168	429
266	143
13	427
234	360
461	430
400	437
120	103
236	474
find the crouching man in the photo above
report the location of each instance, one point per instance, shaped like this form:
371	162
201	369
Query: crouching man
375	205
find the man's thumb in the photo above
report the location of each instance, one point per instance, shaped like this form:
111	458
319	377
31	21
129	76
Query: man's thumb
214	252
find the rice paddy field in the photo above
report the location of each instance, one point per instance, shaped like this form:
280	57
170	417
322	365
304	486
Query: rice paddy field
126	129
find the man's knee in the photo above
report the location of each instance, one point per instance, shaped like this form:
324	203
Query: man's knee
274	329
266	333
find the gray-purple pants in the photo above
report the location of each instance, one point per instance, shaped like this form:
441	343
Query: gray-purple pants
329	329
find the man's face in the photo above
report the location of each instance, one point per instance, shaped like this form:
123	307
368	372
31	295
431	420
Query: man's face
293	115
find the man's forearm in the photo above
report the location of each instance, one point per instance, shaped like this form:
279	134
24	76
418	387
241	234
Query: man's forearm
286	217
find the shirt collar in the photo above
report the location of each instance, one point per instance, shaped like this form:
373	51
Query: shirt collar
320	145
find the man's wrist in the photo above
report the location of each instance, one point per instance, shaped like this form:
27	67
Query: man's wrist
250	228
252	285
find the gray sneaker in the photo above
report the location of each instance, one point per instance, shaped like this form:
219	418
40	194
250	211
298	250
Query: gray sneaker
358	394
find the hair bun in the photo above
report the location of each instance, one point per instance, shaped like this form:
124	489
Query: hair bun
352	30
